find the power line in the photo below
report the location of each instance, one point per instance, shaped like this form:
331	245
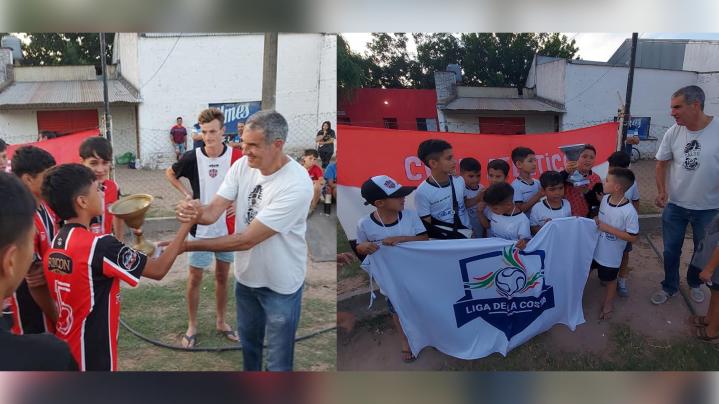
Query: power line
162	64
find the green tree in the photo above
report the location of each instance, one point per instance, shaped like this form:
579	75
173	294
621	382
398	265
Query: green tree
352	70
44	49
389	63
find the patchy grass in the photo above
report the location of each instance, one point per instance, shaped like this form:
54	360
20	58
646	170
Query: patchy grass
343	245
160	313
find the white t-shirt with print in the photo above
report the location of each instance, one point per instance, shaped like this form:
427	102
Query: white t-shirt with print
477	227
279	201
524	191
624	217
432	200
542	212
509	227
694	165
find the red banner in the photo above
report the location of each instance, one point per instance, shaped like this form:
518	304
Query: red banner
366	152
65	149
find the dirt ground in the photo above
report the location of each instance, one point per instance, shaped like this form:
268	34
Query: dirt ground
374	344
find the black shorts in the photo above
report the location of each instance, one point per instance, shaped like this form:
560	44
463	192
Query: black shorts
628	248
713	286
606	274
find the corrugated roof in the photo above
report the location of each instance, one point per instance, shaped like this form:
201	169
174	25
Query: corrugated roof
38	94
501	104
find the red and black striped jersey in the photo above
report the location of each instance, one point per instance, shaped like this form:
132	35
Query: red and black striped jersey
83	271
27	316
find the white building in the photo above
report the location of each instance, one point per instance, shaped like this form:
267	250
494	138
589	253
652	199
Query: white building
562	94
157	77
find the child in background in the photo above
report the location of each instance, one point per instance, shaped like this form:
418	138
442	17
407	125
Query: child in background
439	200
618	223
4	166
96	154
505	219
552	205
577	196
706	258
309	160
526	190
33	310
471	171
621	159
497	172
390	224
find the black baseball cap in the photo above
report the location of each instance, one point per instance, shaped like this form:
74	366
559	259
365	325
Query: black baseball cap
383	187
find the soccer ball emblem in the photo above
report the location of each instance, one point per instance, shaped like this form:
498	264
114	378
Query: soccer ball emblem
510	280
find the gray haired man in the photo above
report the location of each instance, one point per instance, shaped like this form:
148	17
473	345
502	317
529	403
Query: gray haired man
271	192
687	187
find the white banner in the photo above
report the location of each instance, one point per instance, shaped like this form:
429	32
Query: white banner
470	298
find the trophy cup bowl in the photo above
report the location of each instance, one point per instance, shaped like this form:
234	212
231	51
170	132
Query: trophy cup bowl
573	151
132	209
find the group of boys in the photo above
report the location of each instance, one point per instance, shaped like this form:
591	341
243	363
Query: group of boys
62	260
456	207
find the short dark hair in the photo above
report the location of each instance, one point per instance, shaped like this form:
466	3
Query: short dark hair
3	146
96	146
498	193
430	149
17	209
590	147
470	164
310	152
179	118
521	153
63	184
31	160
624	176
48	134
619	159
550	179
499	164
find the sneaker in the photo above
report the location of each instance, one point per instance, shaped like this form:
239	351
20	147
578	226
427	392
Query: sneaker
622	289
660	297
696	294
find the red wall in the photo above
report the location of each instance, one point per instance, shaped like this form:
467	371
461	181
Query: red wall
367	107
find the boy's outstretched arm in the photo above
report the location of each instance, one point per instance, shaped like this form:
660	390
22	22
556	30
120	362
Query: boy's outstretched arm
157	268
404	239
623	235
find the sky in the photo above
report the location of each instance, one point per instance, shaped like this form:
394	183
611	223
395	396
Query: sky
592	46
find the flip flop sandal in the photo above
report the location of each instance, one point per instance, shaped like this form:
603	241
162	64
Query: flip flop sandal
230	335
701	333
191	341
698	321
407	359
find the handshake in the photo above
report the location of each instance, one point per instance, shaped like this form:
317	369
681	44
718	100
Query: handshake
189	211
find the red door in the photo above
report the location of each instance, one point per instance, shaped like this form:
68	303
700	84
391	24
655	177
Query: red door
69	121
502	125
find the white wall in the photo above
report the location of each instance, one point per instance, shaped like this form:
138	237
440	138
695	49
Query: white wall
701	57
215	69
591	97
462	123
539	123
709	82
55	73
469	123
124	130
18	126
126	52
550	80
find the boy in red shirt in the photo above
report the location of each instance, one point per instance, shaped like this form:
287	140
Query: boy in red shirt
84	270
96	153
309	160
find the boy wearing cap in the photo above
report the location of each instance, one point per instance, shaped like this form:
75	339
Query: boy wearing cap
390	224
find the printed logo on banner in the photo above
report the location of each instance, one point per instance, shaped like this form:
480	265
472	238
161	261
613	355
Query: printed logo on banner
510	297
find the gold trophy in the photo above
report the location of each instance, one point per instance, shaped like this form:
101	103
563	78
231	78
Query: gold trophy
131	209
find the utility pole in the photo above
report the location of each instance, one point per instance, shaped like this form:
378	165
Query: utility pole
269	71
103	63
626	119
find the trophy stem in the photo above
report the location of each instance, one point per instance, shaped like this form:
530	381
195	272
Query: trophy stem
143	245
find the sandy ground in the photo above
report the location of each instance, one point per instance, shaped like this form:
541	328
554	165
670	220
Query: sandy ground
375	345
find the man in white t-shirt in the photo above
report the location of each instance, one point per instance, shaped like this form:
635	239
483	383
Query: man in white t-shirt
271	192
688	153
